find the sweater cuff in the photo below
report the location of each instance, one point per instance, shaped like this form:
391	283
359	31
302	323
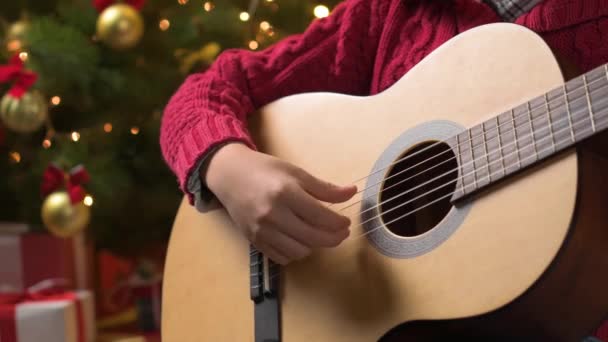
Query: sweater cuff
204	199
200	141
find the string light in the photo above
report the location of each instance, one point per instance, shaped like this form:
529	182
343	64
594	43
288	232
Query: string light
107	127
182	2
56	100
244	16
208	6
46	143
15	156
321	11
253	45
164	24
264	25
88	200
75	136
135	130
23	56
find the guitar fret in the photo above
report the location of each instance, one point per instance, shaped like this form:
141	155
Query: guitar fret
528	139
589	103
485	149
458	151
568	113
473	160
550	123
516	140
499	138
532	129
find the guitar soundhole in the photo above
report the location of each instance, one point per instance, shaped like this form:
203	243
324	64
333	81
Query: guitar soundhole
415	195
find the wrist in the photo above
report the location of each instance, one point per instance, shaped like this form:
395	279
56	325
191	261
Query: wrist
220	164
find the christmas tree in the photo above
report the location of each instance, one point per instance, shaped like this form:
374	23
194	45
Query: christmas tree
84	85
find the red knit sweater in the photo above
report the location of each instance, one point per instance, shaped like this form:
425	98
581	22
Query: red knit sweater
361	49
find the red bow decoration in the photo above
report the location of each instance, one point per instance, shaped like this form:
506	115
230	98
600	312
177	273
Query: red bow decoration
13	71
54	177
101	5
53	291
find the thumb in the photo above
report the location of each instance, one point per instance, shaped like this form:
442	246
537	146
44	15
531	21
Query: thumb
326	191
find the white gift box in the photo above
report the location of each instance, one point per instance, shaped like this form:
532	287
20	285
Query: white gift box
55	320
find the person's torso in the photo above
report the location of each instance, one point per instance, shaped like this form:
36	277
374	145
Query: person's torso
576	29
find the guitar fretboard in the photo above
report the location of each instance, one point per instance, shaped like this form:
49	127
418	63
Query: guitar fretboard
531	132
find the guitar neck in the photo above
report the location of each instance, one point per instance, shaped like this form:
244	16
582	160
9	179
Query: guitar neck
531	132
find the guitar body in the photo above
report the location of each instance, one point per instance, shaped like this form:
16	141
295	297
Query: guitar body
526	260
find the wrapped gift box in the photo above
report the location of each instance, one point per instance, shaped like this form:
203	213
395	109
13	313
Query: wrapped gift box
29	258
64	317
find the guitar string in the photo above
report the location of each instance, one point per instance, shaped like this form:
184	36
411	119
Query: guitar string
516	140
517	150
513	124
497	129
355	238
547	149
549	127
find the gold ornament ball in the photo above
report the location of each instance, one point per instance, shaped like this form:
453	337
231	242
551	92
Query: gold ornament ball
15	35
61	217
120	26
25	114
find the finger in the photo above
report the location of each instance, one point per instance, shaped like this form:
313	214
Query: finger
286	245
326	191
290	224
315	213
272	253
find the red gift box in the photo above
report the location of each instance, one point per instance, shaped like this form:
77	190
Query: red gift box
59	316
29	258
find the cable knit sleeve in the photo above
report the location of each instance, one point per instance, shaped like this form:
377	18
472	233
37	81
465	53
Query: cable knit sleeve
334	54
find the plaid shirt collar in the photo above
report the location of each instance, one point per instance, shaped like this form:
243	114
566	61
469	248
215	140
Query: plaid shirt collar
509	10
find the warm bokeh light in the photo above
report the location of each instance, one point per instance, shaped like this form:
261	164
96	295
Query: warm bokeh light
13	45
164	24
23	56
107	127
253	45
208	6
264	25
75	136
321	11
135	130
88	200
244	16
182	2
15	156
46	143
56	100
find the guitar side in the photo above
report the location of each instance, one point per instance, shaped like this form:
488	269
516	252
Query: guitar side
355	293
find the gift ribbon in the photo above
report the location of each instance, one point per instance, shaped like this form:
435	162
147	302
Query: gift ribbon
54	178
14	72
45	293
101	5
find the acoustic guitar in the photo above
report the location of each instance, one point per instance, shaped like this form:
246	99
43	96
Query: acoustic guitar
482	212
